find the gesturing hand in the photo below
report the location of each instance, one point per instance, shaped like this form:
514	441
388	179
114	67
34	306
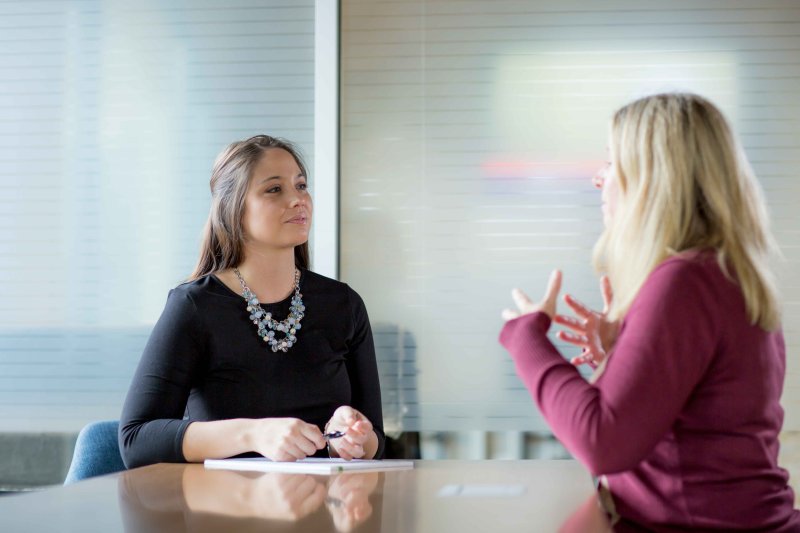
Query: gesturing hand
591	331
525	306
286	439
357	429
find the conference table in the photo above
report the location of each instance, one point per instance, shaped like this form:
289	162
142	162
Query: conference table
440	496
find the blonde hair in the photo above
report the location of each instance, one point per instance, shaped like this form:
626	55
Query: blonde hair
684	183
222	244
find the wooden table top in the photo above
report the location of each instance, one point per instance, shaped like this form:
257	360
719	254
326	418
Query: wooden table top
441	496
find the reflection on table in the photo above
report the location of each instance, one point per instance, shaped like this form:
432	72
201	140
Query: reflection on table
457	496
191	498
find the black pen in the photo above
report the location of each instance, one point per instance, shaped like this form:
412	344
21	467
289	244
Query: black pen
334	435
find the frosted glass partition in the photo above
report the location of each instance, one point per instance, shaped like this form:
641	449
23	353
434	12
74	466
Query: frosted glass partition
470	130
111	114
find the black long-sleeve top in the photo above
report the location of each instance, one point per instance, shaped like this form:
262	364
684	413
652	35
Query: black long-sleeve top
205	361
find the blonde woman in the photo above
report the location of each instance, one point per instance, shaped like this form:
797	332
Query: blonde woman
256	353
683	419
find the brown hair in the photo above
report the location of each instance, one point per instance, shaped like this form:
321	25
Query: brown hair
222	246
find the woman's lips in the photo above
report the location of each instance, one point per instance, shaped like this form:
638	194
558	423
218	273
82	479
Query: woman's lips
299	219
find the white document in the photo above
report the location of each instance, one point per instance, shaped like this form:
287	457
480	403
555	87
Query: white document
481	491
311	465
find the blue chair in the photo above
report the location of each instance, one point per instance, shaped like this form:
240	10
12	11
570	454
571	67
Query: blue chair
96	452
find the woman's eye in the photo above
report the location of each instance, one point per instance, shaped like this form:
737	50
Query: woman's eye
274	189
302	186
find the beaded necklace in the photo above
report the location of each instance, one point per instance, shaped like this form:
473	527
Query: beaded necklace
267	326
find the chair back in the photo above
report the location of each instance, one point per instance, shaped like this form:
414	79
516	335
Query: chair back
96	452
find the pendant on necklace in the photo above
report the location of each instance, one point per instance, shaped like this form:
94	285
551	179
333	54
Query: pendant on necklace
267	326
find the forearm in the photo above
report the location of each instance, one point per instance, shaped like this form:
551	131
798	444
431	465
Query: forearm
217	439
660	356
570	405
148	442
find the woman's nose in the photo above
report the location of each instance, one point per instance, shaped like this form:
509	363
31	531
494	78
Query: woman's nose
298	199
599	179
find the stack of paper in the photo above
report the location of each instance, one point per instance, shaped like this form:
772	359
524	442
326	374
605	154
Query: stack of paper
311	465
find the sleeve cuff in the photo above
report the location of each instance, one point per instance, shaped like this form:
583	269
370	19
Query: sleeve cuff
520	328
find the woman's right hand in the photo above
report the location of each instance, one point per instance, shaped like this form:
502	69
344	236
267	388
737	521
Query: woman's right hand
285	439
592	331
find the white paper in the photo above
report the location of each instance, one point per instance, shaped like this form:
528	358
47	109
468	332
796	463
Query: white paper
481	491
311	465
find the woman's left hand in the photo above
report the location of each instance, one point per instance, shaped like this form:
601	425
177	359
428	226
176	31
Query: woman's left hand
357	429
592	331
525	306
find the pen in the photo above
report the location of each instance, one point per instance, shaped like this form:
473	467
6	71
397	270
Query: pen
334	435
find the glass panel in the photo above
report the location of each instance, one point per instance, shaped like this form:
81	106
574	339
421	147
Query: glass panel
470	131
111	115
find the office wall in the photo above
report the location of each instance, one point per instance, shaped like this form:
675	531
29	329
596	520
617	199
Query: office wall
469	133
111	115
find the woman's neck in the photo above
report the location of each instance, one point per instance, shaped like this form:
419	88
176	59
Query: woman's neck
269	274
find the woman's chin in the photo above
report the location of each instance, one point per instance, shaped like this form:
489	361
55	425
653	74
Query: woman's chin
299	241
298	234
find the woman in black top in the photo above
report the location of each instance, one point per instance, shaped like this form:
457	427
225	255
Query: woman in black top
255	353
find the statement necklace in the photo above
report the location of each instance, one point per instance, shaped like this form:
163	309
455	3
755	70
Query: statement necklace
267	326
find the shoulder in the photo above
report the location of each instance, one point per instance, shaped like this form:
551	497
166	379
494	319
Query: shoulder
202	294
318	281
332	290
687	271
193	290
322	284
686	281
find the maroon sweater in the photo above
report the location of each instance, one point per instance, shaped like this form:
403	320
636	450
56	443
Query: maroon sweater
684	420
